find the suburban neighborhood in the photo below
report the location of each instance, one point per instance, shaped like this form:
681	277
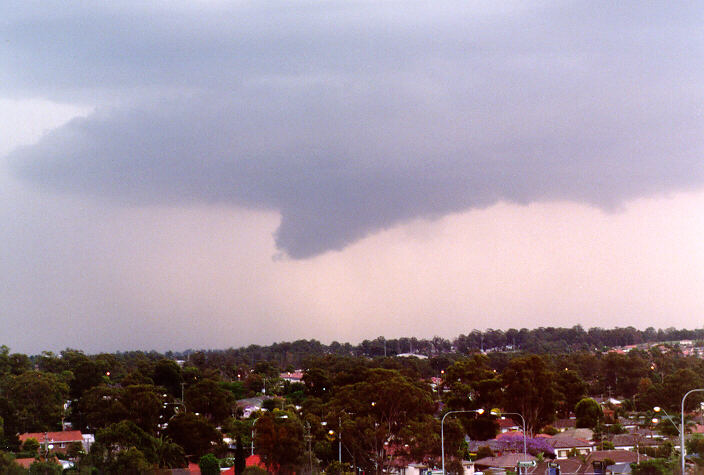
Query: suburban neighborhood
478	404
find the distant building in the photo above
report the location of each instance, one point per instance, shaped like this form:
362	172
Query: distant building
564	444
411	355
292	376
60	440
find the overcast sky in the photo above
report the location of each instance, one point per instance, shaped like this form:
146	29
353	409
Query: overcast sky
209	174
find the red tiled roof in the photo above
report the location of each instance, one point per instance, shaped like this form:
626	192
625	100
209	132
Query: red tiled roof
53	437
567	442
292	375
566	466
254	461
504	461
615	455
506	423
194	468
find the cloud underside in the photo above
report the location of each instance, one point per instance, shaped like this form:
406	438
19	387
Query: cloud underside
353	129
337	176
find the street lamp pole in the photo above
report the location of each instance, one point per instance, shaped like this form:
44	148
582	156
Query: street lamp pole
682	449
525	451
442	432
658	409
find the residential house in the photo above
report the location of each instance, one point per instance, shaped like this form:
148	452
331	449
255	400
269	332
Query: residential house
507	424
423	469
292	377
506	461
251	405
60	440
563	445
618	456
578	433
632	441
573	465
562	425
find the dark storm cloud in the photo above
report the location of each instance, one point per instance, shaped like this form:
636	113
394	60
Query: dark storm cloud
352	117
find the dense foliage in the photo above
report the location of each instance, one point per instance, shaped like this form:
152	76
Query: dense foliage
150	410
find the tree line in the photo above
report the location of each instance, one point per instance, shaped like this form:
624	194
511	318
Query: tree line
151	410
537	340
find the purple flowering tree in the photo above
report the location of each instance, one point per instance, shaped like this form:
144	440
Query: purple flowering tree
514	443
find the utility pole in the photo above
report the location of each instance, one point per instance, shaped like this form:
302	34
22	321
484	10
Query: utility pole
309	438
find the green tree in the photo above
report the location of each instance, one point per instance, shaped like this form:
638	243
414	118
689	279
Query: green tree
75	450
8	466
86	372
529	389
652	467
695	445
676	385
30	446
36	400
337	468
570	388
317	381
111	443
14	363
473	385
45	467
606	445
422	438
131	460
167	374
103	405
236	388
209	465
206	397
143	403
279	442
194	433
622	373
589	413
383	403
240	457
168	453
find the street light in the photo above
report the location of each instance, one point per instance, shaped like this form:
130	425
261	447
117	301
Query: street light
682	449
668	417
498	413
442	432
177	404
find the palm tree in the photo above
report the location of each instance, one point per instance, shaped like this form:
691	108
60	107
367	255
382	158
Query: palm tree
168	453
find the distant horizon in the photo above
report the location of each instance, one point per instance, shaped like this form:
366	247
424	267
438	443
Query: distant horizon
425	339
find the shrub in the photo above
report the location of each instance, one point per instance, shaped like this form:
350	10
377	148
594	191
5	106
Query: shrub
209	465
254	471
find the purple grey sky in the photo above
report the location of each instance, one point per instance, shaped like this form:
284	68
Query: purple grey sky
214	174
